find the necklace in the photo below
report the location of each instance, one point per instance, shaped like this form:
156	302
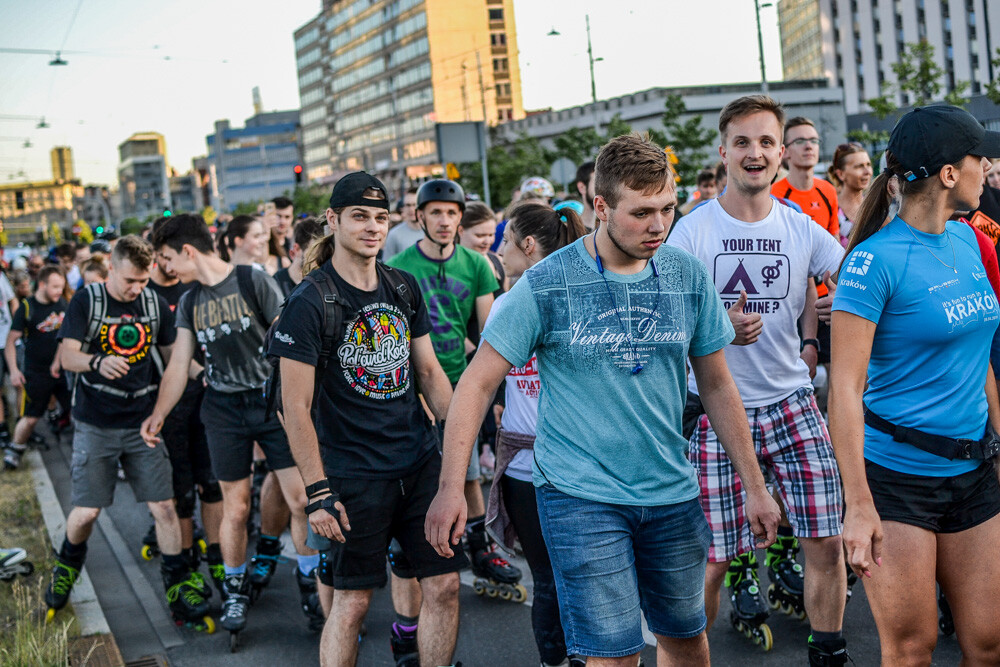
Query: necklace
954	261
628	333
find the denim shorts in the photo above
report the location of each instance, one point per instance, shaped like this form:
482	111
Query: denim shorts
615	562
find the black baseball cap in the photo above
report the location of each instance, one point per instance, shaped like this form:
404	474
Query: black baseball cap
350	191
928	138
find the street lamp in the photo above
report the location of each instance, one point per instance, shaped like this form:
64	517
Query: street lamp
591	59
760	44
58	60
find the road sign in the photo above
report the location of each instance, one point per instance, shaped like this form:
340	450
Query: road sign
563	171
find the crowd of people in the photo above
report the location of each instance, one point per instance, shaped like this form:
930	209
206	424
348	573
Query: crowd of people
638	378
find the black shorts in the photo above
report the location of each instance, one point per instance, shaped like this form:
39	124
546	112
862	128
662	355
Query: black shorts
823	336
184	436
39	387
939	504
380	510
233	422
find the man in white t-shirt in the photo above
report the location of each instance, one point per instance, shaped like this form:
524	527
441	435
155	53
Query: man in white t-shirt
406	233
761	255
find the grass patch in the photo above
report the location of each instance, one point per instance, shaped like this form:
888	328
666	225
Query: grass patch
25	638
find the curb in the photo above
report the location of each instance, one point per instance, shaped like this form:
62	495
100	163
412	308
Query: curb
87	608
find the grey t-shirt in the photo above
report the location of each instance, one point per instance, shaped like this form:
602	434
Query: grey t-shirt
399	238
230	334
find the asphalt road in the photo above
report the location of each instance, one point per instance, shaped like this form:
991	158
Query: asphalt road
492	633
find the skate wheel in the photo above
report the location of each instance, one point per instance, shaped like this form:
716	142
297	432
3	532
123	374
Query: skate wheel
7	577
234	641
520	593
478	588
491	591
49	615
506	594
203	545
209	624
765	639
146	552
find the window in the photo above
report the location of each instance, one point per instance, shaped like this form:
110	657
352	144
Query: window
498	39
496	14
500	64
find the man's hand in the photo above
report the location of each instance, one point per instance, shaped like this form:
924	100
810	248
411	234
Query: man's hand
16	378
56	368
810	355
863	537
150	429
445	521
748	325
112	367
824	304
327	525
763	515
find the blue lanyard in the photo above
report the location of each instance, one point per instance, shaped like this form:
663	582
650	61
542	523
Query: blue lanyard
628	333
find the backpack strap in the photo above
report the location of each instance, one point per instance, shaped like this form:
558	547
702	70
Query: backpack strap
244	278
397	283
151	311
332	314
98	309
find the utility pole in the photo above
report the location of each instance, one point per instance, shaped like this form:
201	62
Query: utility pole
593	84
760	46
483	136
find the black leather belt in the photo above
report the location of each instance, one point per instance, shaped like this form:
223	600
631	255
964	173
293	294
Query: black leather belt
938	445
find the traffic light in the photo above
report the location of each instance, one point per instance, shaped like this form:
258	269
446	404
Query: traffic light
99	229
298	173
167	213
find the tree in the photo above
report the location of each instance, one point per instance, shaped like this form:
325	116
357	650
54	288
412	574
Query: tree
688	140
312	199
55	234
510	161
919	77
82	232
993	88
131	226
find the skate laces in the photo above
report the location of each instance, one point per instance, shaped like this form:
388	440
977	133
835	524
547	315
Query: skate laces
187	589
234	605
218	571
264	564
64	582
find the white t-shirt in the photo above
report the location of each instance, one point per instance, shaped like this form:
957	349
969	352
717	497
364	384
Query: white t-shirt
399	238
520	414
6	319
771	260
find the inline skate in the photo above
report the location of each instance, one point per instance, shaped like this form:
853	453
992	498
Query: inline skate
150	546
12	456
235	605
787	580
309	599
749	611
14	562
263	564
186	599
404	646
64	575
832	653
494	576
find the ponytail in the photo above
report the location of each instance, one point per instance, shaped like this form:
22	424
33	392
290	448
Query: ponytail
550	229
320	251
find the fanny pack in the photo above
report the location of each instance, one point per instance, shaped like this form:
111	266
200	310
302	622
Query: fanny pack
949	448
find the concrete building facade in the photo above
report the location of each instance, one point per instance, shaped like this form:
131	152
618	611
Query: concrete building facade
62	163
376	75
857	42
255	162
143	175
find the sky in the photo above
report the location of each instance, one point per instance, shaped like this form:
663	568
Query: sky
176	67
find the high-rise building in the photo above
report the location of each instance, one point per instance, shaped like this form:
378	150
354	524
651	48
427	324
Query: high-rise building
857	41
142	175
255	162
376	75
62	163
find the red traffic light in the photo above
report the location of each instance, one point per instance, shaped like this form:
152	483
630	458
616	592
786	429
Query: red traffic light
298	169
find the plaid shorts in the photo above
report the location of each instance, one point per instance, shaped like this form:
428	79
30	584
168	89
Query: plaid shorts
793	448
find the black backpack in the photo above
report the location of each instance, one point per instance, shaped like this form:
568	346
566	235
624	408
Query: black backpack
333	323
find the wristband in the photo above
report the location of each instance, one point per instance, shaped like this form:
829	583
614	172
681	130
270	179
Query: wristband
809	341
320	486
326	503
95	361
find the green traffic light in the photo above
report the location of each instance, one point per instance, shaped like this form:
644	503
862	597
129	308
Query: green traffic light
167	213
99	230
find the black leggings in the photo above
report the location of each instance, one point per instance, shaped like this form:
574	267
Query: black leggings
519	498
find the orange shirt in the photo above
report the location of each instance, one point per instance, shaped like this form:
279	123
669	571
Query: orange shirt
819	203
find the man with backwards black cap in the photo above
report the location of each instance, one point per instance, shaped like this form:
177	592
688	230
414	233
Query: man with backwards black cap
913	317
378	473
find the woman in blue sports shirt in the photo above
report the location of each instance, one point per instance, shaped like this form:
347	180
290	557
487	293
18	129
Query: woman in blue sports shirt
914	315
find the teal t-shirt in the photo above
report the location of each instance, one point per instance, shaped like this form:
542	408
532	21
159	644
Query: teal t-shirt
933	328
450	288
604	433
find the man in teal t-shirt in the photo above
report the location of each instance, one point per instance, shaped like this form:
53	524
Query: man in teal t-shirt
612	319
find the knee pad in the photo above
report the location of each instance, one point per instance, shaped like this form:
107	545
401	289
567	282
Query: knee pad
210	493
325	570
401	566
185	505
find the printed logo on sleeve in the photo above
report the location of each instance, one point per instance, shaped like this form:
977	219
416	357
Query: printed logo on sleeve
284	338
860	261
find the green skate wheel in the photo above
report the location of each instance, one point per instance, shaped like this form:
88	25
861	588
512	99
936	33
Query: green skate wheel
209	625
203	546
50	614
146	552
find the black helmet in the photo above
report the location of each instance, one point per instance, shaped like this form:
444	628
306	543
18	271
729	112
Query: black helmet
441	189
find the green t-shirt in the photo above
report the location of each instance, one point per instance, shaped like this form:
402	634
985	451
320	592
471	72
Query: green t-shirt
450	288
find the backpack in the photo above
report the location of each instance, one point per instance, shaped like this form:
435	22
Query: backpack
333	323
97	319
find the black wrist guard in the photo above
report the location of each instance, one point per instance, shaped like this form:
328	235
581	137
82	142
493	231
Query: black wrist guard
326	503
321	486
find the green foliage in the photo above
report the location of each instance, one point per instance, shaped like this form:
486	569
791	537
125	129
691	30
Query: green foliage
919	77
312	199
131	226
55	234
688	140
993	89
510	161
83	232
246	208
874	142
